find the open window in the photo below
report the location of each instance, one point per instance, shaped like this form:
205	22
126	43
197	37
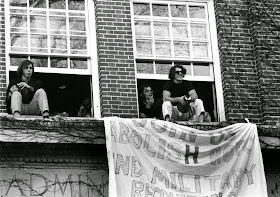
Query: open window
179	32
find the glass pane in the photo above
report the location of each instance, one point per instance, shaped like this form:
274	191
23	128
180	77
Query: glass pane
142	28
144	47
57	4
161	29
200	50
142	9
163	48
179	11
201	70
197	12
18	21
163	68
77	24
19	40
58	42
15	60
76	5
58	63
38	41
160	10
37	3
180	30
78	43
57	23
39	22
39	61
181	49
198	30
188	68
19	3
78	63
145	67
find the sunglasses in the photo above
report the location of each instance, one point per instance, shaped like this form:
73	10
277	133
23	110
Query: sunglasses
179	72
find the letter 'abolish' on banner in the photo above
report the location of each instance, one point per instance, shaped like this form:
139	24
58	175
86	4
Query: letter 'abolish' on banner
149	157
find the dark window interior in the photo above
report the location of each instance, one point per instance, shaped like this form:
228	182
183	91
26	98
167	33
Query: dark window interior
65	92
203	89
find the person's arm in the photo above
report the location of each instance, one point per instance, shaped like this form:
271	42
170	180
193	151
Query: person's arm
167	97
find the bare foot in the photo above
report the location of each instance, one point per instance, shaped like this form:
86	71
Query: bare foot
45	114
16	114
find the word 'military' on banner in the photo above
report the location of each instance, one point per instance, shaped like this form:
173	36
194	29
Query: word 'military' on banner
149	157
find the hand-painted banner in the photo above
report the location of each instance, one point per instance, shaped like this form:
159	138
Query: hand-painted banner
149	157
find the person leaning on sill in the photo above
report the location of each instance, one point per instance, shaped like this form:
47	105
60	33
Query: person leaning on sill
25	95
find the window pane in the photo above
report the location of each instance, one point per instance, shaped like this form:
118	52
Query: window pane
78	63
145	67
37	3
161	29
179	11
180	30
39	41
198	30
18	21
76	4
19	40
163	48
163	68
142	28
39	61
142	9
201	70
188	68
58	42
57	4
38	22
197	12
58	63
181	49
160	10
144	47
16	60
58	24
200	50
77	24
78	43
19	3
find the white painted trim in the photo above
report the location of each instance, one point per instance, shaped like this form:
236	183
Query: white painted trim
94	60
7	40
216	61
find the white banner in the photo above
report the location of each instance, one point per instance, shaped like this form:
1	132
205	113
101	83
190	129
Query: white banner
149	157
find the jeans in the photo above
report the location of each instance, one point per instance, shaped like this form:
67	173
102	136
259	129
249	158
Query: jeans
38	104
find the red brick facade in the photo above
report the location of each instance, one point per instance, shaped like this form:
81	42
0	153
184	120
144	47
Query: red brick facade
248	57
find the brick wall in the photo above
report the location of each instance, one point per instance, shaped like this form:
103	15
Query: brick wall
116	62
2	59
239	75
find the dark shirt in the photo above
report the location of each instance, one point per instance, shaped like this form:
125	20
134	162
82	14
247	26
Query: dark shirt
154	111
27	95
178	90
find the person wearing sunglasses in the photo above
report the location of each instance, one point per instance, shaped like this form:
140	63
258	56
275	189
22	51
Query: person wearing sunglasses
180	100
149	106
25	94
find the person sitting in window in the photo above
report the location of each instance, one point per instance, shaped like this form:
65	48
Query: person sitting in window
181	102
85	109
25	95
149	107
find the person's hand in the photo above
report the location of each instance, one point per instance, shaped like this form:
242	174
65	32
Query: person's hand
14	88
22	85
181	100
149	102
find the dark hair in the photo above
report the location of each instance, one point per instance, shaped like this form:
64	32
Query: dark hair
173	70
22	65
142	88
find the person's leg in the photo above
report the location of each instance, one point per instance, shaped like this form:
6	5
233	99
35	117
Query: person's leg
16	103
39	103
167	110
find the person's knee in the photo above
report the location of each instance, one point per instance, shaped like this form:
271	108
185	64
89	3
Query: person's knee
16	94
41	92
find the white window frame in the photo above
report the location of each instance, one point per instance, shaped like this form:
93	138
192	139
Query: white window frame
91	56
214	60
